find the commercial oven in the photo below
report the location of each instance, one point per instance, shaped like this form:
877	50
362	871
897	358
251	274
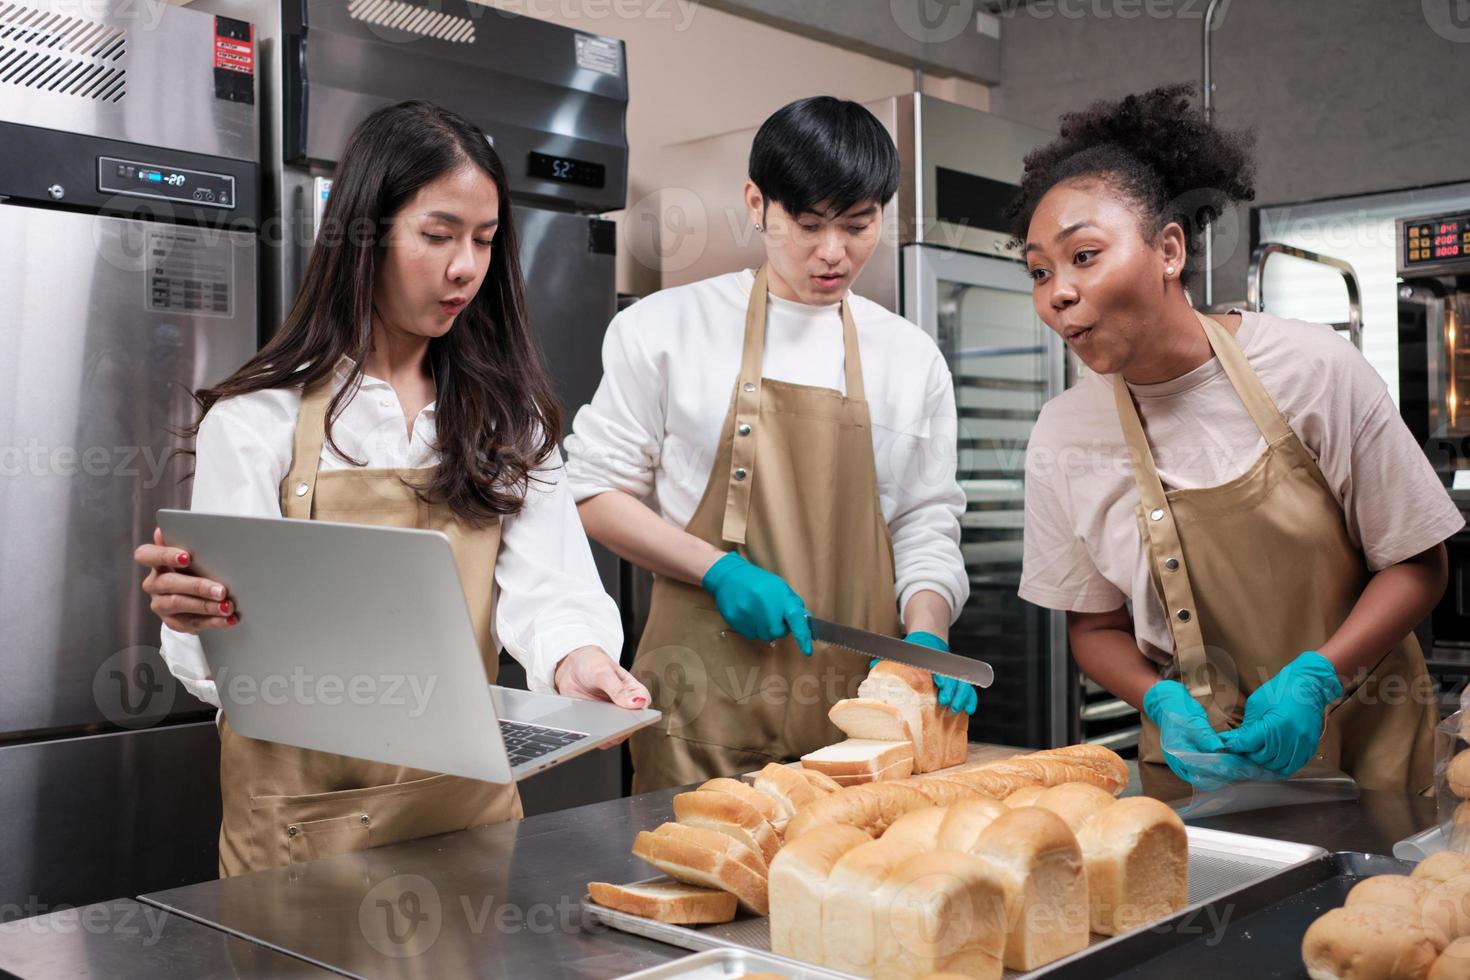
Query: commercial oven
128	214
1434	398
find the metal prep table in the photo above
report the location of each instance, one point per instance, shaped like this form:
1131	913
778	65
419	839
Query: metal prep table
504	900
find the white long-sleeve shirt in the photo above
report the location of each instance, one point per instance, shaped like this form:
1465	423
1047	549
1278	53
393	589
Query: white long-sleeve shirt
550	599
670	363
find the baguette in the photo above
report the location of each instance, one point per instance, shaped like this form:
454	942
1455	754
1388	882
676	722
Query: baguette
688	862
852	899
1099	758
1137	855
1045	880
730	815
858	757
819	781
718	841
997	785
764	805
1051	771
943	911
871	808
943	792
899	770
798	885
666	901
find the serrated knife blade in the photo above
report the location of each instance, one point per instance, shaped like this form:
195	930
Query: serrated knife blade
976	672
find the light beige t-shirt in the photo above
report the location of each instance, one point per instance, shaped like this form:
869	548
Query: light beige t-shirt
1082	550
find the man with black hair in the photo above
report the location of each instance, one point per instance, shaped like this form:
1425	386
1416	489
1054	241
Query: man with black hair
826	483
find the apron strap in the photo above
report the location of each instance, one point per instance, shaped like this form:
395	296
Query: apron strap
299	488
1247	385
1165	549
748	401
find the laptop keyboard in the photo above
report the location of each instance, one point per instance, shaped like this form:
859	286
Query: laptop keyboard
524	743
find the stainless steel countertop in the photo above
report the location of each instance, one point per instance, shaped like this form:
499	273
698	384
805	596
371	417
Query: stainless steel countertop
504	901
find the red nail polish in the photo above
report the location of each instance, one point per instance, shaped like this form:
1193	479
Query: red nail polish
233	620
224	607
183	558
639	702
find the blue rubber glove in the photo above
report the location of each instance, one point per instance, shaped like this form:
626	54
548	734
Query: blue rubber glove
757	604
1283	717
1192	748
955	695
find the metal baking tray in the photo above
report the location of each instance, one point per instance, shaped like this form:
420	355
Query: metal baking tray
1220	864
729	962
1257	930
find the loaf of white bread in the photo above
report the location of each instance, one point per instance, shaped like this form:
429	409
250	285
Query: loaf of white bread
897	703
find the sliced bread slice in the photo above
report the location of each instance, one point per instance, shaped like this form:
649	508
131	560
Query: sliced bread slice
871	718
666	901
858	757
731	815
697	865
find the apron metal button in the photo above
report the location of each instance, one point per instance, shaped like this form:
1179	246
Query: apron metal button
749	386
292	830
301	488
744	429
1172	564
1157	514
740	473
363	819
1184	615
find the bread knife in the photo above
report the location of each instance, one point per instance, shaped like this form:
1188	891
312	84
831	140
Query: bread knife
976	672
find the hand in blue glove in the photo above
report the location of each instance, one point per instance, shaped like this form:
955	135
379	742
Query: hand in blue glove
1283	717
1184	728
758	604
955	695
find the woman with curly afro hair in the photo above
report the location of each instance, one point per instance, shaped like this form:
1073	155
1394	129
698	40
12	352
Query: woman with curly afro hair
1239	525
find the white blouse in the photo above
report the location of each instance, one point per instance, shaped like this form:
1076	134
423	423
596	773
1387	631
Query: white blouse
550	600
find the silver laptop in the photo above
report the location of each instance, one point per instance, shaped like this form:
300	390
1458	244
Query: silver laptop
356	639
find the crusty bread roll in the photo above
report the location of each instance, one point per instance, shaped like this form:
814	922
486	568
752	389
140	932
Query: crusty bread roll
716	841
666	901
820	781
871	718
920	826
965	821
765	805
1401	890
899	770
1025	796
870	808
1368	942
859	757
1099	758
786	786
853	896
1040	866
943	792
730	815
697	865
1075	803
1137	855
1453	963
1442	866
798	884
1457	774
943	911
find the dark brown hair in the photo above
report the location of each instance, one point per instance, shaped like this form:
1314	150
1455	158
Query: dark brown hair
496	416
1159	151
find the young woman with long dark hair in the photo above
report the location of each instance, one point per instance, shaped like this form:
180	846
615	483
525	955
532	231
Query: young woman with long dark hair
404	389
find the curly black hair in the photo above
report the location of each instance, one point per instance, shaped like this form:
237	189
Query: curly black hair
1158	150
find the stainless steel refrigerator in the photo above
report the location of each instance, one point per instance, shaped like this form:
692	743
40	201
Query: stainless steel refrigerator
553	102
128	211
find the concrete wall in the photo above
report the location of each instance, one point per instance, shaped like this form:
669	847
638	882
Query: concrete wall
694	71
1346	96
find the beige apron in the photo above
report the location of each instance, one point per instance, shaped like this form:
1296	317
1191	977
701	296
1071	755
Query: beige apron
795	490
283	804
1261	568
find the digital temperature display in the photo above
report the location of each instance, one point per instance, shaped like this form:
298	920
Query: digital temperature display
1437	240
137	179
567	170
